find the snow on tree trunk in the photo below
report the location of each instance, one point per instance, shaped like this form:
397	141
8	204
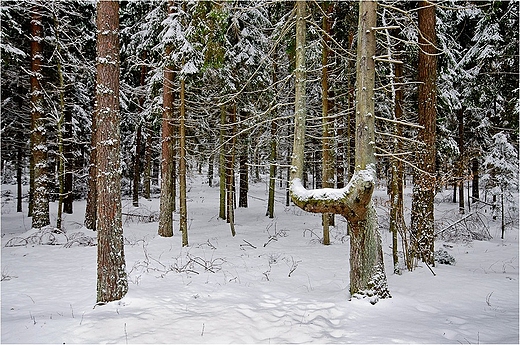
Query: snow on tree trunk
327	160
90	211
166	206
354	201
422	220
183	218
112	281
40	194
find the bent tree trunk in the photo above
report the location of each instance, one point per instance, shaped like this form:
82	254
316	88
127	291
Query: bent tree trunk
354	201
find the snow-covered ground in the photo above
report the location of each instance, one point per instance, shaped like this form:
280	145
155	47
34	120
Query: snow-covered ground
272	283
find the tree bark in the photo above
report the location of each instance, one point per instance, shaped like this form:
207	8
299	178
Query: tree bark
40	193
397	223
354	202
300	111
230	173
166	207
460	118
112	281
183	217
91	209
327	135
222	164
243	166
147	164
475	193
137	159
272	154
19	171
422	220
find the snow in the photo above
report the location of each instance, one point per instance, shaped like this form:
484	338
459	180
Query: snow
300	192
272	283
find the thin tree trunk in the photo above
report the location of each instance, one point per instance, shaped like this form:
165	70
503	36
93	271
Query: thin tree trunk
70	163
210	169
40	193
422	220
222	164
137	159
460	118
243	167
272	158
183	218
230	174
19	171
475	193
112	281
300	112
397	223
327	155
60	125
91	210
503	223
148	164
166	207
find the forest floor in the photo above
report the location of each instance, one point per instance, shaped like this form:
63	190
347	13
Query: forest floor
274	282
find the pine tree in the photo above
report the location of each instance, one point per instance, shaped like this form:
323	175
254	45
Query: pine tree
112	281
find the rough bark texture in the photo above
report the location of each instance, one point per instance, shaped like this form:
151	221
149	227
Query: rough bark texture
147	164
461	162
230	173
327	155
91	209
243	165
300	110
183	218
474	186
273	155
222	165
112	281
40	194
68	146
19	171
137	159
397	223
166	207
422	219
367	275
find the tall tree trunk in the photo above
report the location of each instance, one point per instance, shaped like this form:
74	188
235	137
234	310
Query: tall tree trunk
91	209
40	193
60	125
243	166
397	223
475	193
112	281
70	162
300	111
211	164
422	220
137	175
222	164
327	155
273	153
147	164
460	118
138	138
367	275
19	171
230	173
183	217
167	160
